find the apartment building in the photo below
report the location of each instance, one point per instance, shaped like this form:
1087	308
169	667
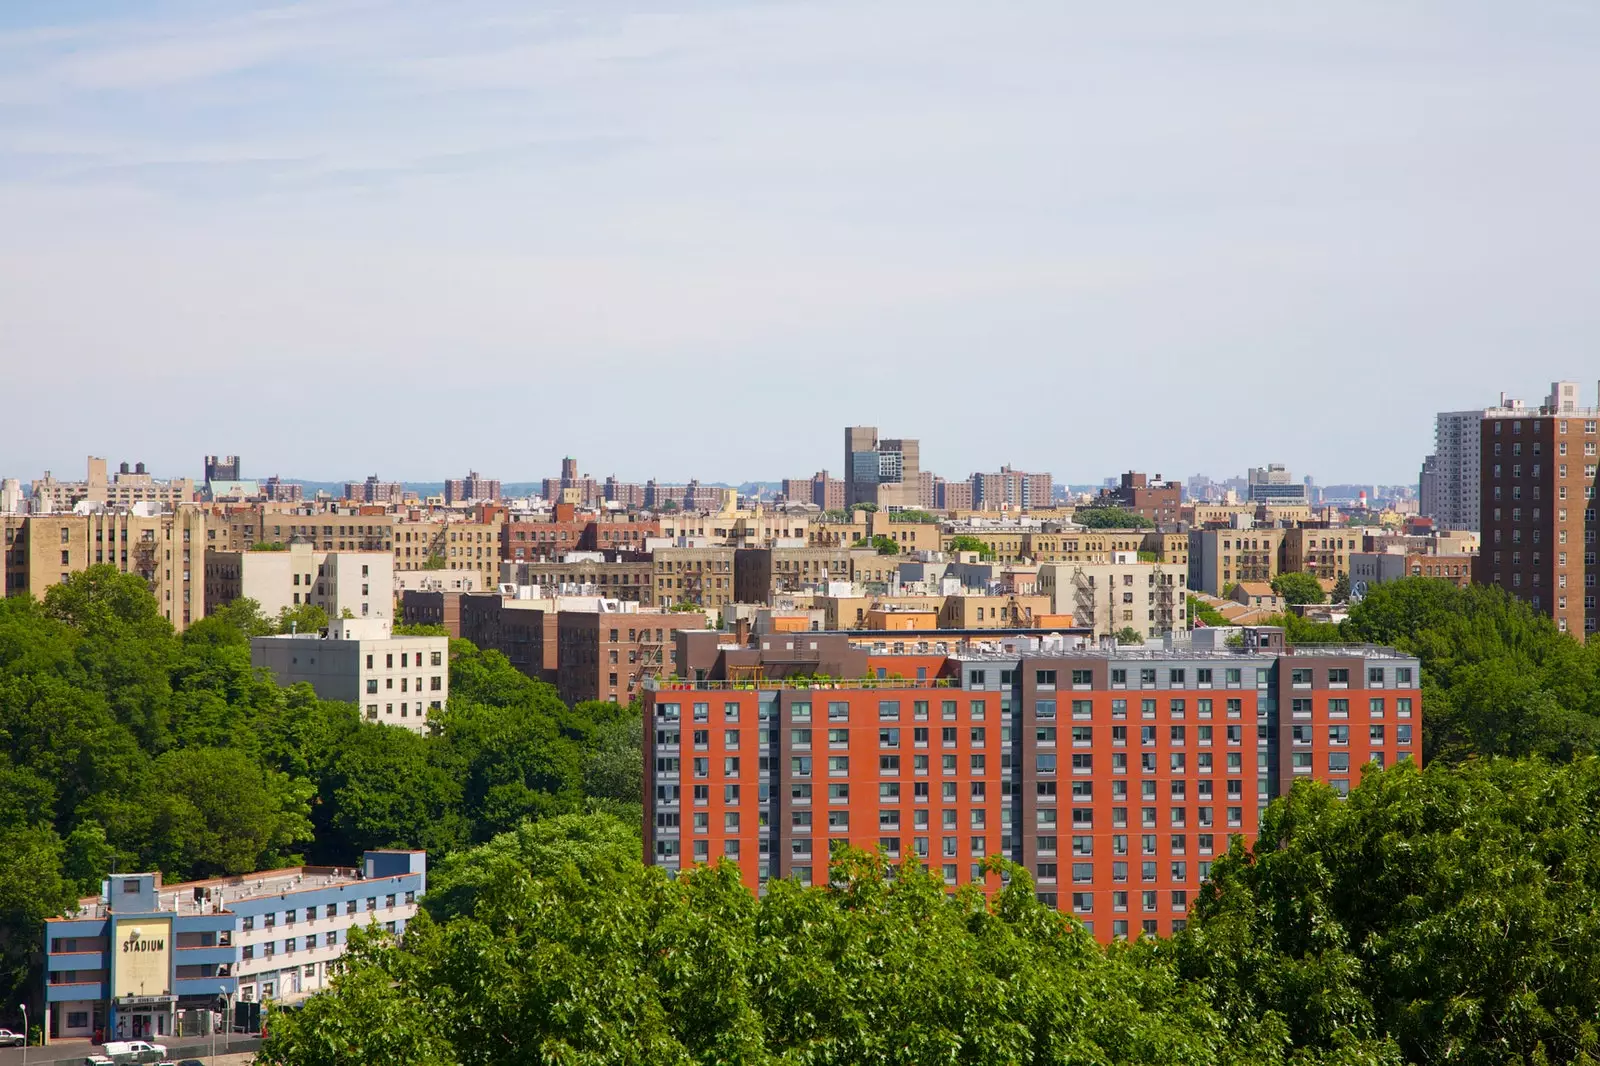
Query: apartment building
237	529
760	574
432	607
1114	776
567	530
1538	520
629	577
395	680
1053	544
882	472
129	965
522	627
1149	497
1222	557
357	583
1120	593
1322	552
863	526
121	491
606	655
374	491
474	488
166	549
589	647
1011	490
1273	484
701	576
1369	569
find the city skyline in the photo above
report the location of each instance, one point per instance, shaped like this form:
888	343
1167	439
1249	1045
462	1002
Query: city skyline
621	215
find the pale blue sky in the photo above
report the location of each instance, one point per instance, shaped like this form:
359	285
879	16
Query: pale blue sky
681	238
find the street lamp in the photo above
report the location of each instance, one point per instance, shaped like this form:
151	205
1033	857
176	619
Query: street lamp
26	1033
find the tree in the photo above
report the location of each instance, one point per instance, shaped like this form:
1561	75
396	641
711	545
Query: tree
1202	613
966	542
885	545
600	959
419	629
1098	517
1128	635
435	562
302	618
864	507
269	546
1341	589
584	842
1453	910
208	812
1298	587
915	516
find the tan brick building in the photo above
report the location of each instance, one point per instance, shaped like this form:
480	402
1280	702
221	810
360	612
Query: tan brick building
699	576
166	550
1324	553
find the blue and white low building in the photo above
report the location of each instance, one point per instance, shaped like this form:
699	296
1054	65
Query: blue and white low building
135	958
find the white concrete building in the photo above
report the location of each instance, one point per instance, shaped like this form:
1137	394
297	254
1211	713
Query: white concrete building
360	583
395	680
1151	598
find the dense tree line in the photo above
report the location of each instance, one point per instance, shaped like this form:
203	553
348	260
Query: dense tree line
124	744
1447	915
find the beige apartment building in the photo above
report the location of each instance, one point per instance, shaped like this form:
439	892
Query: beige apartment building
1222	557
864	525
241	528
165	549
1324	553
1004	545
122	490
450	543
354	584
1121	593
1097	546
702	576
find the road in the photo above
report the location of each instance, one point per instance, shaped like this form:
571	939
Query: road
73	1054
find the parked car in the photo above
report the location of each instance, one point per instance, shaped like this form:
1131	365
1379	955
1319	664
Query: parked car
118	1052
10	1039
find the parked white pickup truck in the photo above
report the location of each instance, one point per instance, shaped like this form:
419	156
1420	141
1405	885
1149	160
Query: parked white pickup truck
117	1052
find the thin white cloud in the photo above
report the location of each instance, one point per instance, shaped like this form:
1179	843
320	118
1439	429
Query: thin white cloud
634	207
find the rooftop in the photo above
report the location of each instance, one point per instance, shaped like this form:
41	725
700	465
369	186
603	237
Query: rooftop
218	892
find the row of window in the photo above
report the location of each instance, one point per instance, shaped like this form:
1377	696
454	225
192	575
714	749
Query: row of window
269	920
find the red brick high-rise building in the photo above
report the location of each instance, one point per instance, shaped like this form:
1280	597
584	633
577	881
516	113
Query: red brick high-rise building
1114	776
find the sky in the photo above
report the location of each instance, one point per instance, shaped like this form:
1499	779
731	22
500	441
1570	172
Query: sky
680	239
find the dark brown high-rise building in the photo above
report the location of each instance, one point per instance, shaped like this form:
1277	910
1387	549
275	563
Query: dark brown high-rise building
1152	498
1537	505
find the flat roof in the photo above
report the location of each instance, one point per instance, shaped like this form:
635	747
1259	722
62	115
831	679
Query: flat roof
179	897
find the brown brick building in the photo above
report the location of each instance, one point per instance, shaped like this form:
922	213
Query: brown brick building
1538	510
1153	498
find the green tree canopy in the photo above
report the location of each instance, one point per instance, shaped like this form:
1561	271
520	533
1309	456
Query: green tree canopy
616	962
1454	911
302	618
1298	587
966	542
1098	517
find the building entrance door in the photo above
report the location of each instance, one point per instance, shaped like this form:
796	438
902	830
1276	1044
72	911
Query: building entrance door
141	1026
